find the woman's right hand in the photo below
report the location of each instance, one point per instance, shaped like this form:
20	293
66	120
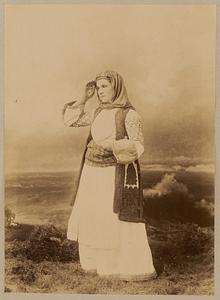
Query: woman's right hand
78	106
89	92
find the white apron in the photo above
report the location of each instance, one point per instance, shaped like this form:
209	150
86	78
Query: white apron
107	245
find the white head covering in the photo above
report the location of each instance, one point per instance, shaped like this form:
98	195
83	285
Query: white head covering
120	99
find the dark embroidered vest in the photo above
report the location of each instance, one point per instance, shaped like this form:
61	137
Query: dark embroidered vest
128	197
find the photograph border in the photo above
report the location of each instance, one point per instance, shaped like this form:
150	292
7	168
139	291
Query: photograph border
65	296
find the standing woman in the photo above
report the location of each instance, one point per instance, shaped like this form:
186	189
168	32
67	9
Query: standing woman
107	215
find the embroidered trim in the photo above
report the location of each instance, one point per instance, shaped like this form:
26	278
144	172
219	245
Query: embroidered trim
99	164
126	184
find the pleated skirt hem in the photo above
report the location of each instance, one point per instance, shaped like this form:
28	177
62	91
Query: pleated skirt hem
138	277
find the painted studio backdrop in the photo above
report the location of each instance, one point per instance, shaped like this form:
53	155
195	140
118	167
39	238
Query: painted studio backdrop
166	55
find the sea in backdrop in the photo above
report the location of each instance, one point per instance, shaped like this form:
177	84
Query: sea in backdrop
40	198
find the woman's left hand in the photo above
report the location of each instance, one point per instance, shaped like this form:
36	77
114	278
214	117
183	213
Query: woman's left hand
125	151
107	145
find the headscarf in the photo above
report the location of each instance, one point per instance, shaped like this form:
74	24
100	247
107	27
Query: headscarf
120	99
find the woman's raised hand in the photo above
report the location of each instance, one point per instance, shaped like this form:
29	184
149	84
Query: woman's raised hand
89	92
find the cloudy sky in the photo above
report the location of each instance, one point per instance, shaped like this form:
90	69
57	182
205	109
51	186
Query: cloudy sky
165	53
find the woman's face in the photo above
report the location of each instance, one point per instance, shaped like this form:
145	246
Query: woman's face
105	90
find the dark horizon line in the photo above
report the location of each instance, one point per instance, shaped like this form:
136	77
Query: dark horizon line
167	163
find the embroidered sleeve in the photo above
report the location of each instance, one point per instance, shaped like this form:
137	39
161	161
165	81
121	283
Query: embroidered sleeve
76	117
129	149
133	124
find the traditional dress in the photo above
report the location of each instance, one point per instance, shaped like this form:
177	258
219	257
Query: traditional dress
107	245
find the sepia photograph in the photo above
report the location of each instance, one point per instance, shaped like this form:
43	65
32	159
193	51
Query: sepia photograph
109	149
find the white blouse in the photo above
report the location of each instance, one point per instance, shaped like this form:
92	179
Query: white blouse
103	131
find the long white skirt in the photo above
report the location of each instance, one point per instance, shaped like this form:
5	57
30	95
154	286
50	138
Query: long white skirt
107	245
